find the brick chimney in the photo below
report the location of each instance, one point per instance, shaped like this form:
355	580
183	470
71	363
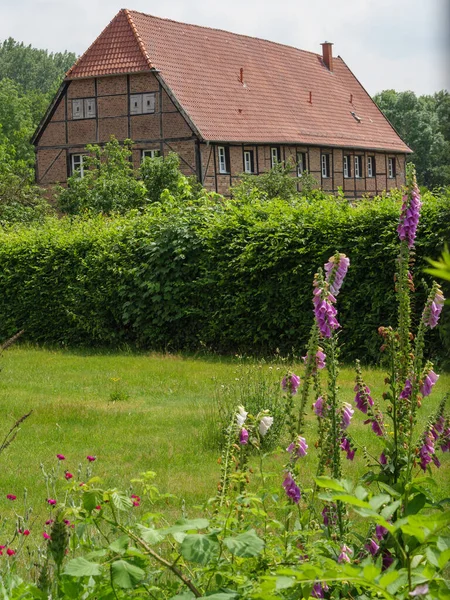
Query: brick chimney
327	55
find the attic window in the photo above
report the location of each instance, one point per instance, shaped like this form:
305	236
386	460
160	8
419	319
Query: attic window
142	103
83	108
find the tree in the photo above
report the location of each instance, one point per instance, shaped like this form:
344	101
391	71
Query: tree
159	174
423	123
275	183
16	120
109	183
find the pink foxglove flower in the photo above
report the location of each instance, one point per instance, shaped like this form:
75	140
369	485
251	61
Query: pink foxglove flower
347	414
433	308
409	217
291	488
427	450
290	383
445	440
264	425
428	383
345	554
335	271
380	532
363	398
243	437
405	394
372	547
347	447
420	590
324	311
318	407
298	448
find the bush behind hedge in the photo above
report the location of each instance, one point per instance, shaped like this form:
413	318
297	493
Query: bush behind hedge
231	277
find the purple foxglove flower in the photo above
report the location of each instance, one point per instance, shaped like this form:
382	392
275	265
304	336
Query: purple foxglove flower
264	425
383	459
380	532
298	448
290	383
409	218
420	590
318	406
438	428
405	394
325	314
319	590
372	547
344	555
320	359
243	437
436	461
426	451
388	559
335	271
428	383
445	440
433	309
363	398
347	413
346	446
329	516
241	416
291	488
377	427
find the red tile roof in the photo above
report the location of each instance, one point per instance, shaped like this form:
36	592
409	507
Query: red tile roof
201	66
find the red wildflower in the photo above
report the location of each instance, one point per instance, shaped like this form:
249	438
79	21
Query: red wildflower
68	475
45	535
90	458
26	532
11	496
60	457
10	552
51	501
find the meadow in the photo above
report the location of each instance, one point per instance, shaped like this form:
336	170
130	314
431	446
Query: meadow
141	412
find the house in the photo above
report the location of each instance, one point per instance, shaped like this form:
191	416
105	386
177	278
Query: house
226	103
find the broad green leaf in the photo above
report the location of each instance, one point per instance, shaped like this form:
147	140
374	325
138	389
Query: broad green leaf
125	574
187	595
120	545
377	501
329	483
80	567
186	525
432	556
91	499
444	558
121	501
387	579
371	572
283	583
416	504
245	545
221	596
149	535
390	509
200	548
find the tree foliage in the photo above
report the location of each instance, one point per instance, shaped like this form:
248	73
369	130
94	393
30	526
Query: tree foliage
424	124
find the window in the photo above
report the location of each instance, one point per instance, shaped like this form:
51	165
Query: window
224	159
77	164
358	167
371	166
301	163
274	156
142	104
83	108
249	162
150	154
391	167
325	164
347	166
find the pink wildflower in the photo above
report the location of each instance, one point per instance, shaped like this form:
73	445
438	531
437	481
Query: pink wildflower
60	457
68	475
243	437
372	547
433	308
10	552
91	458
344	555
335	271
45	535
346	446
318	407
298	448
291	488
347	414
290	383
428	383
409	218
51	501
363	398
11	497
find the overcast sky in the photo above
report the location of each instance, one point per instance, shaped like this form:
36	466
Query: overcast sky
400	44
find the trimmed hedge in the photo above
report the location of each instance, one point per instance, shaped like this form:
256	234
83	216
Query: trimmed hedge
231	277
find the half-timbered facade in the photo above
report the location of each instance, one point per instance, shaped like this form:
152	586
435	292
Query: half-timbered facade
227	104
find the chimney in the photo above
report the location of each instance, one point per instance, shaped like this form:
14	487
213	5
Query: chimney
327	55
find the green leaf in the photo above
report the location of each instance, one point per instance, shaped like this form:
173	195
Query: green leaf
283	583
125	574
187	595
91	499
200	548
245	545
221	596
120	545
80	567
121	501
377	501
329	483
186	525
416	504
149	535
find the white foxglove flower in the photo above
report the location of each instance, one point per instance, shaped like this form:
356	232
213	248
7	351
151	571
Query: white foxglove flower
264	425
241	416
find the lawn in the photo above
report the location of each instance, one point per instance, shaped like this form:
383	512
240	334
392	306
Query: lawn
161	423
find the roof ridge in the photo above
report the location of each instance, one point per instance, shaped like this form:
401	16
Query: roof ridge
243	35
138	37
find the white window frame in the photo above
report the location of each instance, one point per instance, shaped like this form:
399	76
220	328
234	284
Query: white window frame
77	166
391	167
358	166
274	157
248	161
301	163
370	165
325	165
222	159
153	153
347	173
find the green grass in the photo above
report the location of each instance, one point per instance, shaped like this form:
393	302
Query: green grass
160	427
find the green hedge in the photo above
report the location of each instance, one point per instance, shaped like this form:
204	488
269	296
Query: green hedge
220	276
